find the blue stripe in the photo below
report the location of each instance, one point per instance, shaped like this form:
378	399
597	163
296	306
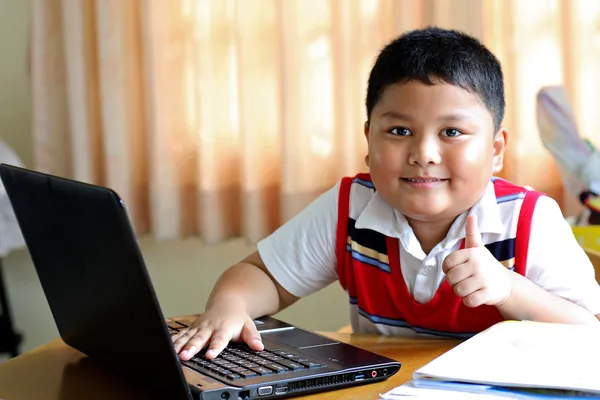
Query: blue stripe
503	249
363	182
353	300
403	324
368	260
510	197
367	238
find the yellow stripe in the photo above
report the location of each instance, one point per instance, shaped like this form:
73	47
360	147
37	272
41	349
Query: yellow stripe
508	263
365	251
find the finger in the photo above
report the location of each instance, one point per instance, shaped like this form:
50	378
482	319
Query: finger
175	336
455	259
194	325
181	340
459	274
195	344
467	286
475	299
472	234
220	339
251	336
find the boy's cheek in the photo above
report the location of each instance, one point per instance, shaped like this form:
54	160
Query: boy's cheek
387	157
472	153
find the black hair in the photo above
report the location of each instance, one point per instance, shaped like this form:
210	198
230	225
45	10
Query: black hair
435	55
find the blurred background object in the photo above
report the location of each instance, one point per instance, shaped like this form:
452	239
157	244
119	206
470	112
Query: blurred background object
10	239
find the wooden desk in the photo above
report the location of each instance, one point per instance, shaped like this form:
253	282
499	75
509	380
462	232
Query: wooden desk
56	371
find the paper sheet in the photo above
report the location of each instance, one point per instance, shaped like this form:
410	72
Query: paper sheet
407	392
421	389
524	354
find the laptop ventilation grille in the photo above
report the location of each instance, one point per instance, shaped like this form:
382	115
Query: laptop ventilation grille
320	382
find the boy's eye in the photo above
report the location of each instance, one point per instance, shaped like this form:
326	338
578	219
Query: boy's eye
451	132
399	131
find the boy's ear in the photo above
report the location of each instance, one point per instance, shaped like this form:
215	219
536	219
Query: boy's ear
366	130
500	139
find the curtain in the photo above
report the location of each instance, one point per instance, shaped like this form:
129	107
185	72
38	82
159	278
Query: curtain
224	118
545	43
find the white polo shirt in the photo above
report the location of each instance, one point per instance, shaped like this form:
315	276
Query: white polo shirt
301	253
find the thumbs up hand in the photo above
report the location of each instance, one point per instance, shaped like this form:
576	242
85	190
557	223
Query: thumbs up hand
472	235
475	274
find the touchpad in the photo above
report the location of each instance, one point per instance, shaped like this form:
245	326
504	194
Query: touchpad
298	338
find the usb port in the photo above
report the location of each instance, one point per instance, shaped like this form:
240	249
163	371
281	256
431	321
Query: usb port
359	377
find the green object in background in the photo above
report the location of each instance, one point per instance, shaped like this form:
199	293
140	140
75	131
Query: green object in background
590	145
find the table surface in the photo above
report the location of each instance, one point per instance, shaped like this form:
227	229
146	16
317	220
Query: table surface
57	371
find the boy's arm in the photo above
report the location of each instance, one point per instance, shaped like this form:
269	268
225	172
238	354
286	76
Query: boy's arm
241	283
560	285
298	257
528	301
243	292
294	261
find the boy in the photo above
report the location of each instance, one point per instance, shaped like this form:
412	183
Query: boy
428	242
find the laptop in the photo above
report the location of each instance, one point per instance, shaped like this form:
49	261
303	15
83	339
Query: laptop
96	283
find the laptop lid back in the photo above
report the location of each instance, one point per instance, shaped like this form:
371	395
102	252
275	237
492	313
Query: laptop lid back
93	275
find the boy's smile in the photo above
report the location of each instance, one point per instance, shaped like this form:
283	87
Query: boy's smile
432	149
424	182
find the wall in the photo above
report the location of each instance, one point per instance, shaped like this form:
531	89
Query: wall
15	102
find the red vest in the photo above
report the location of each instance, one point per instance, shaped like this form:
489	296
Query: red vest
380	291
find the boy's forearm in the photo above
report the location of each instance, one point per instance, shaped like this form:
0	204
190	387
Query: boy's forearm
530	302
248	286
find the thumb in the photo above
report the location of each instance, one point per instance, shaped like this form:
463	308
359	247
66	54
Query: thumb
472	235
251	336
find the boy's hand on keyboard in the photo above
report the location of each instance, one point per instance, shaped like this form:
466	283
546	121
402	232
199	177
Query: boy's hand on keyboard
215	329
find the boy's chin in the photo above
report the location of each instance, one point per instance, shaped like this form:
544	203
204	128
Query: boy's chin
425	213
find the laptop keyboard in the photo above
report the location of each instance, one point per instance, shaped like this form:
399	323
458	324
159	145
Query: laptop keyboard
238	361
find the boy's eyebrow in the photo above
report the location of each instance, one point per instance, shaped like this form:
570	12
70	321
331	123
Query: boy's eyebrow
396	115
454	117
443	118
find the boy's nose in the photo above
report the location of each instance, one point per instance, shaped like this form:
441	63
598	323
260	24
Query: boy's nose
424	151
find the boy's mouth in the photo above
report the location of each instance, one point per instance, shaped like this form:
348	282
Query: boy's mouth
424	179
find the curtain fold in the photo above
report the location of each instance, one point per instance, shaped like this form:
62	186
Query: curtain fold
224	118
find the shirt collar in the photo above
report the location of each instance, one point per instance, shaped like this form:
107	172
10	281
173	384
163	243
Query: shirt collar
379	216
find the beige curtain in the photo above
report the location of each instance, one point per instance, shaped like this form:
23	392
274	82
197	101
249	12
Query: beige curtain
542	43
224	118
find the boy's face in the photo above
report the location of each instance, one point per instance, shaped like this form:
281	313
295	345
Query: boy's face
432	149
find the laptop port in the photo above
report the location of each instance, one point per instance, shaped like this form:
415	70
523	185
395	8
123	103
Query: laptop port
265	390
244	395
281	390
359	377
